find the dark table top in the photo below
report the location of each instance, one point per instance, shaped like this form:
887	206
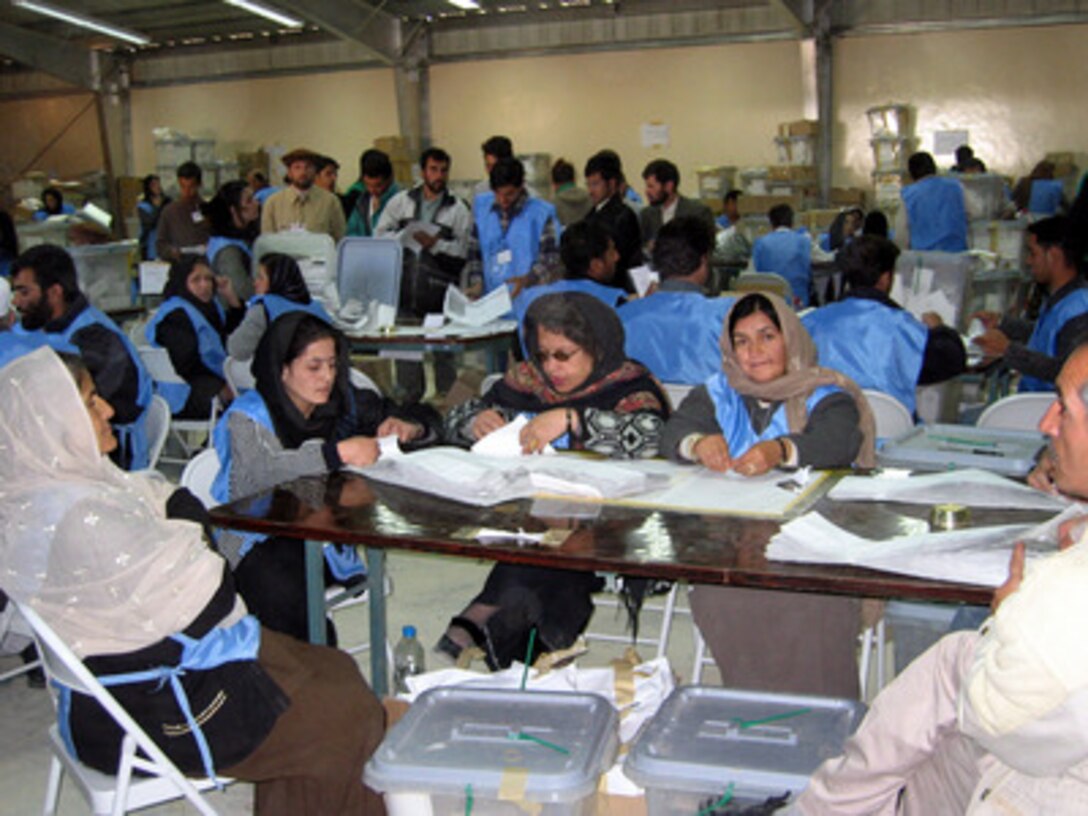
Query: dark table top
708	549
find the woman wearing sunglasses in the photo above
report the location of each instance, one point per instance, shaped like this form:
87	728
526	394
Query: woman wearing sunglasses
581	393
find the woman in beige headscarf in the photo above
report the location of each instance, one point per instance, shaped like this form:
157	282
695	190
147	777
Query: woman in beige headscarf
102	556
772	406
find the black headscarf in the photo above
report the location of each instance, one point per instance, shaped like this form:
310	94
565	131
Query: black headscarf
285	278
595	327
291	426
177	286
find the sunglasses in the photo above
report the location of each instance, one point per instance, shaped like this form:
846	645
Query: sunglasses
542	357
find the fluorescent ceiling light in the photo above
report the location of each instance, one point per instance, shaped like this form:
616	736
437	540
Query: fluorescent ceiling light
468	5
83	21
275	15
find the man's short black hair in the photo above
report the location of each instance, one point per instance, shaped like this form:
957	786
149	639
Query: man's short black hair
732	195
781	215
582	242
321	162
1054	232
189	170
375	164
51	265
680	246
562	172
507	172
920	165
663	170
606	164
865	259
436	154
964	154
498	146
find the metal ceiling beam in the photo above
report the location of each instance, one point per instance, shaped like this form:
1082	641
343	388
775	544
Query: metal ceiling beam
50	55
355	21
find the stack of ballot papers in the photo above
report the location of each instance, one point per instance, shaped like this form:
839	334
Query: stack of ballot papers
970	487
491	307
479	480
978	555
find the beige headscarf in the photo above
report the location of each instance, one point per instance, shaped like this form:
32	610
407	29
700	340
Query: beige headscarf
82	541
802	377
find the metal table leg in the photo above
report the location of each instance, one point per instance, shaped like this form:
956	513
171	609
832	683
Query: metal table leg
315	591
379	664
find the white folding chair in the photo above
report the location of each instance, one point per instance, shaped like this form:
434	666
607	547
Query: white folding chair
489	381
157	427
891	416
659	642
1017	412
701	659
676	392
198	475
157	361
145	775
763	282
239	375
363	382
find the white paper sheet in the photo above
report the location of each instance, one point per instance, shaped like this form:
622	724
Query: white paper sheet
407	236
970	487
492	306
643	278
505	441
389	447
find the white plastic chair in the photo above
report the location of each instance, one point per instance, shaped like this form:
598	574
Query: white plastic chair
157	361
763	282
363	382
676	392
369	269
239	375
891	416
145	775
157	427
659	641
1017	412
489	381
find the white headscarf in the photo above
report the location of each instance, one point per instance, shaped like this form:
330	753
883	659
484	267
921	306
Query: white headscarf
85	543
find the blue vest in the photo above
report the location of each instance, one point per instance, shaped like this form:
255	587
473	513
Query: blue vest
276	305
1044	337
217	243
876	346
15	343
208	342
608	295
132	438
512	253
265	193
788	254
343	561
1046	196
676	334
936	214
733	420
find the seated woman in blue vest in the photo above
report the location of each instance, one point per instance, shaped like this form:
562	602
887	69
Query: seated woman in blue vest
303	418
192	326
770	407
582	393
131	585
280	288
234	220
53	204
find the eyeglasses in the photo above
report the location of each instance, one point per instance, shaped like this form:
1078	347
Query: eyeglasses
560	356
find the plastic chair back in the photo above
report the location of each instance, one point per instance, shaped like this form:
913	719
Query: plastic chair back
1018	412
369	269
891	416
157	426
199	474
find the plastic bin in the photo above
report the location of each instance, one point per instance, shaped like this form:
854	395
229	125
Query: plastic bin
889	153
802	150
888	120
944	447
703	739
915	627
754	181
105	273
173	150
715	182
983	195
514	752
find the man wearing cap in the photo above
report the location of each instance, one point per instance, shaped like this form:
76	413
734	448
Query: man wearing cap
303	205
993	721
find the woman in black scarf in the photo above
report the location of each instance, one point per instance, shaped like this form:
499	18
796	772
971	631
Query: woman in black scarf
305	417
193	326
582	393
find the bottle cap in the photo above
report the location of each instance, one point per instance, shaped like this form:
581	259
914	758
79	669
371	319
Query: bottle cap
408	631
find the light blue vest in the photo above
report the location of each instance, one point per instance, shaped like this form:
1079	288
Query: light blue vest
218	243
733	420
1044	337
276	305
676	334
875	345
209	345
936	215
132	437
788	254
343	561
1046	196
512	253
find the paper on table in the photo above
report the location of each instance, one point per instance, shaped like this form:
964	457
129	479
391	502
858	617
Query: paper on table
492	306
970	487
505	441
153	276
643	277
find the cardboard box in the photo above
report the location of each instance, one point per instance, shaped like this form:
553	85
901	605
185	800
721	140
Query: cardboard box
794	173
804	127
129	191
847	197
761	204
818	221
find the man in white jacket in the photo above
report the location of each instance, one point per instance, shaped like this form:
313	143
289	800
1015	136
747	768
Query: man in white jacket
995	721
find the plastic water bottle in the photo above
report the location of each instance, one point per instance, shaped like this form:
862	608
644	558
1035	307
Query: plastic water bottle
407	659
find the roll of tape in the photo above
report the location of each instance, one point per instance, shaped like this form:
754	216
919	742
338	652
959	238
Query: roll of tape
949	517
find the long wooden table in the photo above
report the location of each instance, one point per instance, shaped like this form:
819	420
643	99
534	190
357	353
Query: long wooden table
707	549
495	344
